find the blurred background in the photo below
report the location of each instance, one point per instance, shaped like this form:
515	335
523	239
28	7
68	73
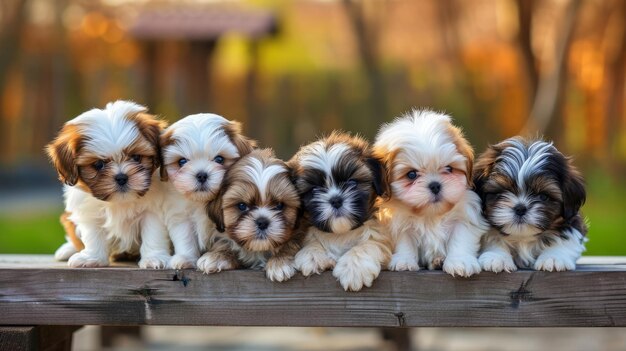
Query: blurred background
292	70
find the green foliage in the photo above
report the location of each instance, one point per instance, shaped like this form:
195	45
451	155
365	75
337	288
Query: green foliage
39	233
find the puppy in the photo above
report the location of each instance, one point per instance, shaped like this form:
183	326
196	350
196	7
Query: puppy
197	150
433	215
531	196
107	160
339	182
257	212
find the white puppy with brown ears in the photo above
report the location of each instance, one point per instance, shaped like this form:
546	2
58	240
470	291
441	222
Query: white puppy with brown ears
197	151
107	159
433	215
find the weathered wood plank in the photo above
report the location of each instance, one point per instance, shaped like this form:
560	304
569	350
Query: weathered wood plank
39	292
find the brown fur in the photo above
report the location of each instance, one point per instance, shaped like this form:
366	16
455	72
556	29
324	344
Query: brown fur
70	231
63	151
465	149
244	144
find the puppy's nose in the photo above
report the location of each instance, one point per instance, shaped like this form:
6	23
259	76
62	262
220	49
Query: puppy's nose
202	177
262	223
435	187
121	179
520	210
336	202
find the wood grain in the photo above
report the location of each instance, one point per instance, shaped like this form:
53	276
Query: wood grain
36	291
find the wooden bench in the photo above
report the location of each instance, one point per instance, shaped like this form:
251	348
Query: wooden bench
42	301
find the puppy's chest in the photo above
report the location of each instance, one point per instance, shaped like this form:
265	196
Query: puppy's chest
338	244
121	221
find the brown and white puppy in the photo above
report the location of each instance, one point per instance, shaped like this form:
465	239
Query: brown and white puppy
197	151
257	211
433	215
107	159
339	182
531	196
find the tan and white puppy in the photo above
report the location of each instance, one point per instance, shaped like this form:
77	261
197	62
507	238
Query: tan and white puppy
197	151
433	215
339	182
107	159
257	211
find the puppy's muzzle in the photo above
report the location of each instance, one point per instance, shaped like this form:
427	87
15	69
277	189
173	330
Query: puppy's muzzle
336	202
121	179
202	177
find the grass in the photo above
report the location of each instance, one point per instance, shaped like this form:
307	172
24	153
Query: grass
605	209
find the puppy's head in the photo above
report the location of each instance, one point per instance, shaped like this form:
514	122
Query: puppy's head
338	180
197	150
110	153
428	160
258	205
528	187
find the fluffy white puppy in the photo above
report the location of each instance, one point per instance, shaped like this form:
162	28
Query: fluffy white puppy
107	159
433	215
197	150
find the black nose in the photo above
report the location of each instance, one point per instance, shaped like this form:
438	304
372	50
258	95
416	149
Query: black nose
336	202
202	177
520	210
121	179
435	187
262	223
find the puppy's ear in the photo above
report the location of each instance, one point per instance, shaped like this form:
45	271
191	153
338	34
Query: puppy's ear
151	128
381	181
63	152
574	194
164	140
482	169
216	213
465	149
243	144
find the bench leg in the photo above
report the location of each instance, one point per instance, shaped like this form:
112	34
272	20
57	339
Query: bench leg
41	338
400	338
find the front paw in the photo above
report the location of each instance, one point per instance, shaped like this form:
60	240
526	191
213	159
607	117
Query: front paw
154	262
464	266
353	272
212	262
182	262
310	261
279	270
497	262
84	260
400	262
64	252
554	264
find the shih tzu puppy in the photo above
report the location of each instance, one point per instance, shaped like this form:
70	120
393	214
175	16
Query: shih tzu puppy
531	196
197	151
107	159
433	215
257	212
339	182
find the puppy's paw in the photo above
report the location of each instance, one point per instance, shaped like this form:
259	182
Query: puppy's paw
212	262
154	261
436	263
313	262
464	266
279	270
497	262
401	262
182	262
354	272
64	252
84	260
552	263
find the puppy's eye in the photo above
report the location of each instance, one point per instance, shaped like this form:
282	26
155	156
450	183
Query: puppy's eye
182	162
98	165
242	206
543	197
279	206
219	159
448	169
412	175
136	158
351	183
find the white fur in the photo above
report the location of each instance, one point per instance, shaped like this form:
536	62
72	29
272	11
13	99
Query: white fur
262	175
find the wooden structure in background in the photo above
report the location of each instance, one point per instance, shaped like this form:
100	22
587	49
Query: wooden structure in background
37	292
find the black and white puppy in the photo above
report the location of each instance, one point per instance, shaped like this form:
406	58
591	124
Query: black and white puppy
339	182
531	196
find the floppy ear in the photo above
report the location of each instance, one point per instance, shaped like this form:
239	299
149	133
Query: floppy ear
465	149
381	181
482	169
164	140
574	194
63	151
215	211
243	144
151	128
